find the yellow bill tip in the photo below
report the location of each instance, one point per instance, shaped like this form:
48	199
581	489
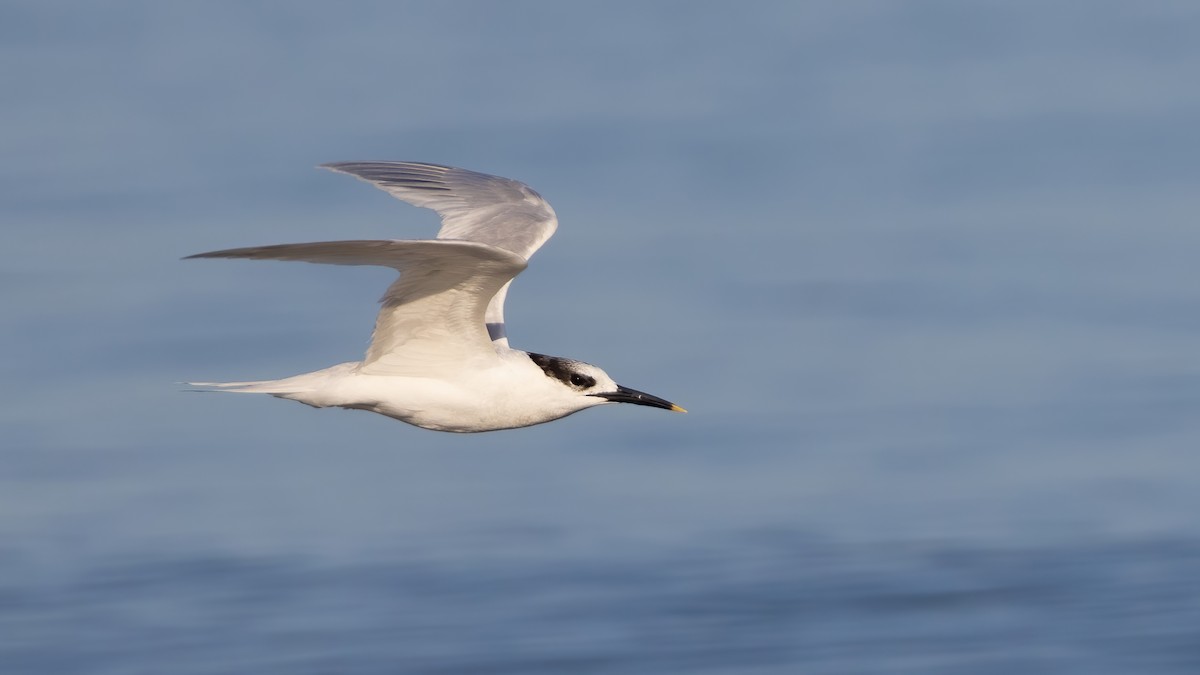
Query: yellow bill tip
675	408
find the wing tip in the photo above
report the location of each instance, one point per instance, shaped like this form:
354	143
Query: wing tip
344	166
224	253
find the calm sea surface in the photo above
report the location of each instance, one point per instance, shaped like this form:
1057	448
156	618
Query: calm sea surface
924	274
762	603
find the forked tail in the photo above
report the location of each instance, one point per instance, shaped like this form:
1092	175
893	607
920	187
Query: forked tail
276	387
297	387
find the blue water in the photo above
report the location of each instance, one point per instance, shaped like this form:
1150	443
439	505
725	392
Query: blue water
924	274
766	602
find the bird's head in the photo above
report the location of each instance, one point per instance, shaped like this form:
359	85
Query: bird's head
587	385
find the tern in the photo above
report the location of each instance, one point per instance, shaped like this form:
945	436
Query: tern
439	356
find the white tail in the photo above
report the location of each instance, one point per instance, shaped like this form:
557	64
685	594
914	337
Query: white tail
289	387
259	387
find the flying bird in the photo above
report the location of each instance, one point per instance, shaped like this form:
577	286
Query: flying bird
439	357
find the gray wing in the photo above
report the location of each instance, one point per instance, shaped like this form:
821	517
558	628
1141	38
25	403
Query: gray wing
432	319
474	206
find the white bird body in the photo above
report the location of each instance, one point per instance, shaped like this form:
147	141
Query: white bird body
439	357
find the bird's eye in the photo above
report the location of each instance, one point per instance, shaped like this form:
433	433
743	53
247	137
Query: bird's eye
581	380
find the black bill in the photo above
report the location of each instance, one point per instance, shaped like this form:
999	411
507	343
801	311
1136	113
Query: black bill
627	395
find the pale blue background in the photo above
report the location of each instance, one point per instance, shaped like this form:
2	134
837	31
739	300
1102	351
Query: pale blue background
925	274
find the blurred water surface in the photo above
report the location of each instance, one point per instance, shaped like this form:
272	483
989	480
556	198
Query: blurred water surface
767	603
924	274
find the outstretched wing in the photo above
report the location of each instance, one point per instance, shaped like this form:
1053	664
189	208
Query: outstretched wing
474	206
433	315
